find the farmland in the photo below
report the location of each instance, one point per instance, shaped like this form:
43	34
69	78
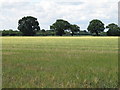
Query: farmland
60	62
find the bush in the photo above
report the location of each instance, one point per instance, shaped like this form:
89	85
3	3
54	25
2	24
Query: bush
11	33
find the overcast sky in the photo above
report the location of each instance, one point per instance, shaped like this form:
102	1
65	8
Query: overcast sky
78	12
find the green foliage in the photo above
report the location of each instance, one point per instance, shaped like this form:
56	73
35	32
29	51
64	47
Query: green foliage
84	33
28	26
74	28
103	34
11	33
114	30
96	26
45	33
60	26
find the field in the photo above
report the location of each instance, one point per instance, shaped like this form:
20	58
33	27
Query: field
60	62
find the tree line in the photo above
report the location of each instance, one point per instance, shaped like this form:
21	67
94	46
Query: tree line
29	26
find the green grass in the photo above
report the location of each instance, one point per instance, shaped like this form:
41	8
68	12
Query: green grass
60	62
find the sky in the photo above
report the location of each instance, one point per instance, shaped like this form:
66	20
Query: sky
79	12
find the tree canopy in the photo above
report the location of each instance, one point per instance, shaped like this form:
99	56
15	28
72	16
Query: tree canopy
28	25
74	28
113	30
96	26
59	26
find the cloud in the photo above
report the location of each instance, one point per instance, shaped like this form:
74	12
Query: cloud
47	11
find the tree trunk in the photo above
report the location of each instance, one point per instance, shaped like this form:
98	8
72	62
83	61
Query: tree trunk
97	33
72	33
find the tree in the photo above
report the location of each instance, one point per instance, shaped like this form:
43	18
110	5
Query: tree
43	30
96	26
113	30
74	28
60	26
28	25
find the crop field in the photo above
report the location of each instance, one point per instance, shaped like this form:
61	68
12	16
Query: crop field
60	62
